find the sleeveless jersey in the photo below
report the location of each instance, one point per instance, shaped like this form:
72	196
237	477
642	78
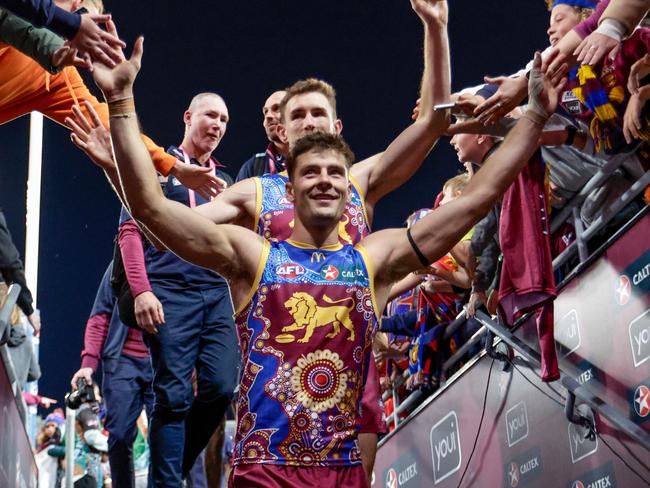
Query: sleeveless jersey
305	336
274	212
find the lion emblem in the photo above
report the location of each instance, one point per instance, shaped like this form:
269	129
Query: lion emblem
308	315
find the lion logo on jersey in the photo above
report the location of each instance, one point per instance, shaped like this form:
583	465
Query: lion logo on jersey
308	315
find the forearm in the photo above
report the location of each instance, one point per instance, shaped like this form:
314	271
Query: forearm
94	339
38	44
44	13
407	283
132	251
403	157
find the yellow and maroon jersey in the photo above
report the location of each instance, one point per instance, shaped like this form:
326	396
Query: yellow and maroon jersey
305	336
274	212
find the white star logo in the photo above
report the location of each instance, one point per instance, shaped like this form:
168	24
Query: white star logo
330	272
624	290
514	474
642	401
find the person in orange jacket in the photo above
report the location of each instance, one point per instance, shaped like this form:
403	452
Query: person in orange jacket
25	86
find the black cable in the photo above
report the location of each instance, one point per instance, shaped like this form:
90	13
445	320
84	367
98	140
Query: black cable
541	391
597	433
623	460
480	424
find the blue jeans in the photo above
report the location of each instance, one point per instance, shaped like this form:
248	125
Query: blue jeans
198	333
127	389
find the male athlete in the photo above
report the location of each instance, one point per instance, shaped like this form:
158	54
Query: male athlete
310	106
305	324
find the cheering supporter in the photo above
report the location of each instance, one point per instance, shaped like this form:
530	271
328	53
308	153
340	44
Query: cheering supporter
71	20
25	86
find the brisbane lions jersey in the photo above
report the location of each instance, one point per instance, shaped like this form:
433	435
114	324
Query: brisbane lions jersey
305	336
274	212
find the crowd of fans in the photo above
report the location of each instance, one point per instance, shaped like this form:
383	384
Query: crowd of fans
602	124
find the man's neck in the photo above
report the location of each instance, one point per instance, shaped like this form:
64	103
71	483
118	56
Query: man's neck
282	149
195	153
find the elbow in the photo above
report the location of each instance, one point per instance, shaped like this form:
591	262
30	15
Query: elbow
146	214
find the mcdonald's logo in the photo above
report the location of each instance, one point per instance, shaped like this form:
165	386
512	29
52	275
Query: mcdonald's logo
317	256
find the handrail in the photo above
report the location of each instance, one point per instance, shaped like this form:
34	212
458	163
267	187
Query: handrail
608	214
569	382
5	315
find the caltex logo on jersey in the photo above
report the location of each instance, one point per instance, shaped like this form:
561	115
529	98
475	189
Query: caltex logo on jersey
623	290
290	270
329	272
391	478
642	401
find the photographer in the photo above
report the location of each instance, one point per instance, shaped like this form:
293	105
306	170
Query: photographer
127	378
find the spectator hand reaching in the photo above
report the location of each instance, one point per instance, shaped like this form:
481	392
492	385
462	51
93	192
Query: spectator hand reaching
595	46
91	136
510	93
69	56
96	43
632	123
638	71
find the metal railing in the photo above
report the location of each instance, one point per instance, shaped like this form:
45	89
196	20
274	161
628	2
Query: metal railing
5	357
579	246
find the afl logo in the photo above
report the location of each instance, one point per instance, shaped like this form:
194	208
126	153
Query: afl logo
329	272
578	484
290	270
623	290
285	202
391	478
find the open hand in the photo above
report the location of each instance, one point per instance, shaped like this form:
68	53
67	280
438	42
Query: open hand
545	85
100	45
594	47
91	136
431	10
198	178
117	82
509	94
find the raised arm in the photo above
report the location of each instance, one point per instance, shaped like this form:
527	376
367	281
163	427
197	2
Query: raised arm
379	176
391	252
232	251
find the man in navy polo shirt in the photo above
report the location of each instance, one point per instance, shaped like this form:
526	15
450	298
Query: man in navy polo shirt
198	332
272	160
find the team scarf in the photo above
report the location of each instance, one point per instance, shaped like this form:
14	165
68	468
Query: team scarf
606	125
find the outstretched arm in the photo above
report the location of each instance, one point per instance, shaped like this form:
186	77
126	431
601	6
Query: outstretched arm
436	233
378	177
232	251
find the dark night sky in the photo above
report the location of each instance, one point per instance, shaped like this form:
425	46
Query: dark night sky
370	51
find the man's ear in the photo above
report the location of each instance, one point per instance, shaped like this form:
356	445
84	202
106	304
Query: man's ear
289	190
338	126
281	131
187	118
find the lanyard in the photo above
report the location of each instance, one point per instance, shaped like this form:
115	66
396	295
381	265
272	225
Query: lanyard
190	192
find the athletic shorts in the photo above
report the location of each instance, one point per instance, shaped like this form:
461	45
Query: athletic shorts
280	476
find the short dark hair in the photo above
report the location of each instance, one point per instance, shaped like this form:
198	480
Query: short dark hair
319	141
310	85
